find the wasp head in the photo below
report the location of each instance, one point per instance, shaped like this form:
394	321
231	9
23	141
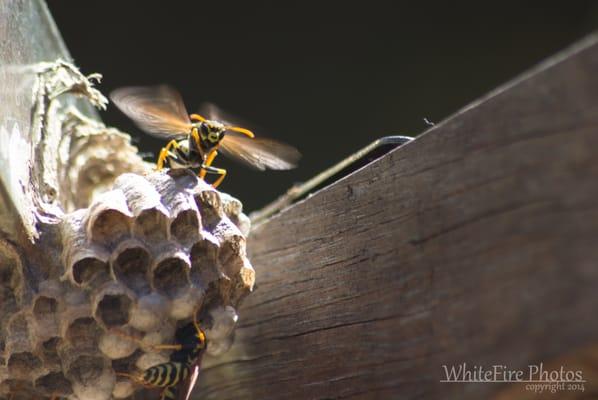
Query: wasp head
210	133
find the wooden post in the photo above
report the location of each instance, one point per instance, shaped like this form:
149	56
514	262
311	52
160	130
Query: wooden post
475	243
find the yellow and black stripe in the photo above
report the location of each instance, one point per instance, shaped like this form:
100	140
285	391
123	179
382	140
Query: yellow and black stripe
166	374
173	376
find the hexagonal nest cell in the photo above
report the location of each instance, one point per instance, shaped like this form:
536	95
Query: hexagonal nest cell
136	265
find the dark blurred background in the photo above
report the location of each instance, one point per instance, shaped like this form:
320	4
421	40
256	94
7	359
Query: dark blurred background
327	77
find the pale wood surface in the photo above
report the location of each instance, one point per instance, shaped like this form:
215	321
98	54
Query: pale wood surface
29	36
31	80
475	243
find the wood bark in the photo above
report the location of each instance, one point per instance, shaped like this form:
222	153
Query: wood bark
475	243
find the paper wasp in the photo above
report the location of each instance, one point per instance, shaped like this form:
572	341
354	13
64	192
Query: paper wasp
195	140
177	376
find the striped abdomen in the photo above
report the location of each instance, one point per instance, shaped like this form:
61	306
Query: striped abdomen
166	374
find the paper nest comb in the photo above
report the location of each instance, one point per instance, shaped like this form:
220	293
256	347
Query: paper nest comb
137	261
134	255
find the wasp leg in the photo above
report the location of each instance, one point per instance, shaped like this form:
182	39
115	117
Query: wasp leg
213	170
159	347
168	393
154	347
164	153
137	379
209	159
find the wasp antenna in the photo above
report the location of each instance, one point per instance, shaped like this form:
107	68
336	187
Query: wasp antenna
126	336
195	322
244	131
130	376
197	117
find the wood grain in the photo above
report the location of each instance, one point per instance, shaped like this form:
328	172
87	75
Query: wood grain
474	243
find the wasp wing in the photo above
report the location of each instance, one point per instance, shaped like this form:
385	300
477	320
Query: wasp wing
184	389
212	111
259	153
157	110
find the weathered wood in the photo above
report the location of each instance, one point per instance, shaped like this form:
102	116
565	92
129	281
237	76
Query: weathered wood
474	243
30	43
29	37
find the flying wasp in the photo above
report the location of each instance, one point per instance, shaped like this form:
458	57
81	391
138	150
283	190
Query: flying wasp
195	140
177	376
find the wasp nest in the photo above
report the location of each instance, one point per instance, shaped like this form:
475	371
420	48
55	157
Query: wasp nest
135	264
